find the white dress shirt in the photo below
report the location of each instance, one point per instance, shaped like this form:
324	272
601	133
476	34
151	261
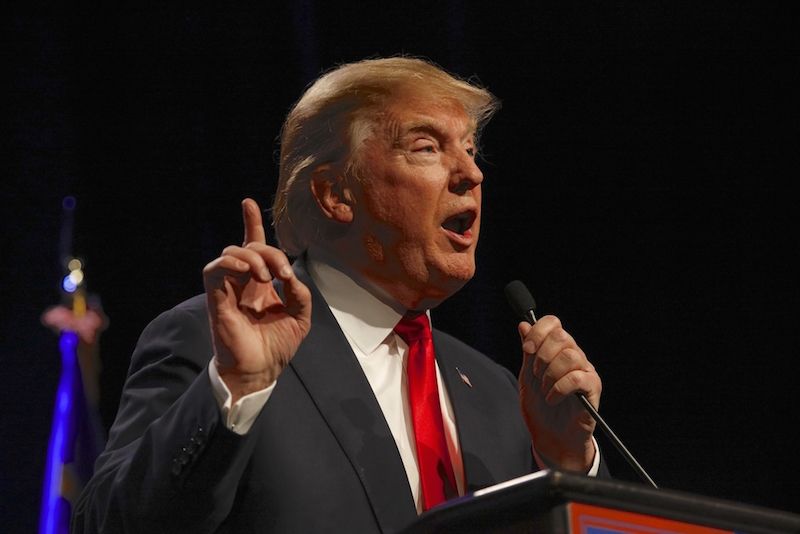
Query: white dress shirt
368	325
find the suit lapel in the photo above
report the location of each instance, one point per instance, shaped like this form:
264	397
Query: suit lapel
469	400
331	374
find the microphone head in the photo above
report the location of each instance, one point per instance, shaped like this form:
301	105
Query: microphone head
520	299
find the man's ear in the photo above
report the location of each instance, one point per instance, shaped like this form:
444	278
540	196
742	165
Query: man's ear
332	194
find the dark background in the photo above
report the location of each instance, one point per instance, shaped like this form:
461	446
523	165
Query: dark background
639	179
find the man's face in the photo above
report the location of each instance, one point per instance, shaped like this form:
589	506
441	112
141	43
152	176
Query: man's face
418	206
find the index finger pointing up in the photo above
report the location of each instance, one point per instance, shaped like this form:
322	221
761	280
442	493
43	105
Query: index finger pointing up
253	226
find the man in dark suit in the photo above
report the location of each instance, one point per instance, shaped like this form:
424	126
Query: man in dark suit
283	400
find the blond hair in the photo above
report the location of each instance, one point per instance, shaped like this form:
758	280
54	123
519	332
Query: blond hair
333	118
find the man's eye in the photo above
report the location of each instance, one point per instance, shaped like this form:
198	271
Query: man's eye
471	152
427	148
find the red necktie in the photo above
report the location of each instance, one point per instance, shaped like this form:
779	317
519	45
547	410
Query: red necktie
435	467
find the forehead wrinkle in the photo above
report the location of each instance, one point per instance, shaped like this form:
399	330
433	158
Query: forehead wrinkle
410	109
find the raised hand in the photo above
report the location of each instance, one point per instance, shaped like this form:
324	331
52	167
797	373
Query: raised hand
254	332
554	367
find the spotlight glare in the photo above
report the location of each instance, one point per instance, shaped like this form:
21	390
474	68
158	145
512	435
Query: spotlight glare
76	277
68	285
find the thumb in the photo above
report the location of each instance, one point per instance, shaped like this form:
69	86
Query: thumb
297	298
523	328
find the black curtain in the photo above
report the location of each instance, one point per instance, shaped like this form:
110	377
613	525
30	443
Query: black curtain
637	179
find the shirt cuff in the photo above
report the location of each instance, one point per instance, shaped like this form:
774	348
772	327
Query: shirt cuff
593	470
240	417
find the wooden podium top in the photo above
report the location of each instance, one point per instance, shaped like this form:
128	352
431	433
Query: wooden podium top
552	501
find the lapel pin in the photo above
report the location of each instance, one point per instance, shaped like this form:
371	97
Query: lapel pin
464	378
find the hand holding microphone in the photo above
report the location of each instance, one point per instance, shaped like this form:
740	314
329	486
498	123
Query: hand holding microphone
555	372
554	368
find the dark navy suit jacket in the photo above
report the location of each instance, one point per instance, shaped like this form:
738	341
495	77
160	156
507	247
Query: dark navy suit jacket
319	457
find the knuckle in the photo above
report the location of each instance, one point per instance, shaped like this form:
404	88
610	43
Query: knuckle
552	321
258	248
574	380
566	383
573	357
544	353
561	335
212	265
596	382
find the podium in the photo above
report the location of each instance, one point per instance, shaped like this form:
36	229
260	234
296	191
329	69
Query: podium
550	502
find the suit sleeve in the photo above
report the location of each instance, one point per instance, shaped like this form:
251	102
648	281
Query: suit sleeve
170	465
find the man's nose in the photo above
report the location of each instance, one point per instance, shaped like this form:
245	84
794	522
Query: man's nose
465	174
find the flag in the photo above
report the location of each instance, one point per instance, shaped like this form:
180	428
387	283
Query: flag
77	436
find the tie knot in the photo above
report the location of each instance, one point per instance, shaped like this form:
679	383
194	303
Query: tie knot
413	327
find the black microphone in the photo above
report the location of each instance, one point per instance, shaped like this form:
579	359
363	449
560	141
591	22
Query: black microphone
524	306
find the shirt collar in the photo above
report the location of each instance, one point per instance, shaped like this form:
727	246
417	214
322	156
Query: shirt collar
362	316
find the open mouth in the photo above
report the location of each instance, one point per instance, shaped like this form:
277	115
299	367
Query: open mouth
460	223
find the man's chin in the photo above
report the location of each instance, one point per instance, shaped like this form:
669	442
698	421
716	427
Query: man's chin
451	278
459	269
